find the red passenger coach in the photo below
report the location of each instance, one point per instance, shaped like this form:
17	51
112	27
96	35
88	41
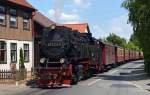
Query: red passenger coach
131	55
108	55
137	55
134	55
126	55
141	56
120	55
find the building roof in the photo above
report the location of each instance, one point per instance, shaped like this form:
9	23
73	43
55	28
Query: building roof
43	20
81	27
23	3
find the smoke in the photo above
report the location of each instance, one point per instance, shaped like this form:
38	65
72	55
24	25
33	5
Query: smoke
58	6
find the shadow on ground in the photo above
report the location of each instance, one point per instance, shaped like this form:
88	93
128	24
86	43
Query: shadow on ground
135	74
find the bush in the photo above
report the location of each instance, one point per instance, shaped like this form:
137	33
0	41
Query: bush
21	60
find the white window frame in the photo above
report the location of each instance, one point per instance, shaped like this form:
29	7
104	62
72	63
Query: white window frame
26	50
5	50
26	21
3	15
13	18
13	50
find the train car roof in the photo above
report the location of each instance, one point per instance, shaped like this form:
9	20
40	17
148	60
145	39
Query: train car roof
104	43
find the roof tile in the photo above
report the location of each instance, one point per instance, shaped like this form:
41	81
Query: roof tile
43	20
82	27
23	3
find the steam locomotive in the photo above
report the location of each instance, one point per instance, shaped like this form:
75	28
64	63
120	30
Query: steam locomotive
67	56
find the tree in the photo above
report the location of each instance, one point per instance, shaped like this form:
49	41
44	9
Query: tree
131	46
21	60
133	43
139	11
115	39
134	40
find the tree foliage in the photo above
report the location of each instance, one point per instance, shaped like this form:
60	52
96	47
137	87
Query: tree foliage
21	60
134	40
139	17
133	44
115	39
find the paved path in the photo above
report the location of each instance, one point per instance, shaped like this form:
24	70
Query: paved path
118	81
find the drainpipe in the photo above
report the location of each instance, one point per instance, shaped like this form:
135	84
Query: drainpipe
33	35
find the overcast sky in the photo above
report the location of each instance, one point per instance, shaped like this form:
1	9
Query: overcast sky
103	16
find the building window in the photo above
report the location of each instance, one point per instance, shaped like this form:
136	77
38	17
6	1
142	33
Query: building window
26	52
2	15
26	21
13	18
26	24
3	52
2	9
13	55
13	12
13	21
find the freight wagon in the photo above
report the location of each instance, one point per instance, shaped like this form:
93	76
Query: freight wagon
119	55
141	56
109	55
126	55
131	55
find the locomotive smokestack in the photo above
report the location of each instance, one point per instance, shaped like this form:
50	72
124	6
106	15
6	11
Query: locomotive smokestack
58	5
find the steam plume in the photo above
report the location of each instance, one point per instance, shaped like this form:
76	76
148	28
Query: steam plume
58	6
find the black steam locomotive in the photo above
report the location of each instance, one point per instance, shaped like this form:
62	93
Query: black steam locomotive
66	56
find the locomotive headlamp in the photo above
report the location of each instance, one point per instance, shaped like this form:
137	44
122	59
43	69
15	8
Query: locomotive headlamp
42	60
62	60
53	27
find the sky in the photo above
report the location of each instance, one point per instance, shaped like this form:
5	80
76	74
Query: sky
103	16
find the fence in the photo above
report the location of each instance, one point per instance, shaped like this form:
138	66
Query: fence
12	76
